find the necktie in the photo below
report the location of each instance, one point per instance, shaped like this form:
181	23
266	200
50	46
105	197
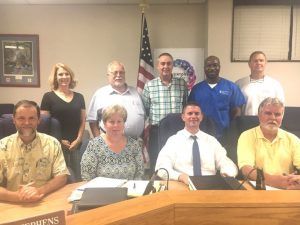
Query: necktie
196	157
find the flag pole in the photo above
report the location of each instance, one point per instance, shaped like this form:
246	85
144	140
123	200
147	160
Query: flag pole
143	5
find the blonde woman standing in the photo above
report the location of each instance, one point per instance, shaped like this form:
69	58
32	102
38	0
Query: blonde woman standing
68	107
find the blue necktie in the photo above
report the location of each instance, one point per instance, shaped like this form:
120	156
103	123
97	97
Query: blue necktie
196	157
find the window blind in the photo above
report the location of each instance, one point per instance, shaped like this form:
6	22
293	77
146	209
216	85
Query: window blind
264	28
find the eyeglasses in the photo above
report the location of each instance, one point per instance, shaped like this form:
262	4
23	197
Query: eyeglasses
115	73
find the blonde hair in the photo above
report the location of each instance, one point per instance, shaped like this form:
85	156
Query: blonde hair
110	110
257	53
53	76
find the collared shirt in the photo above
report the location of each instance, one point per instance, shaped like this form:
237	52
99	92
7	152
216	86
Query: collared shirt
160	100
130	99
275	158
177	155
256	92
36	162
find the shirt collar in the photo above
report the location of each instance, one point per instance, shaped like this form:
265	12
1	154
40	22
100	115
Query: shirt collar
261	136
187	134
171	81
114	91
27	147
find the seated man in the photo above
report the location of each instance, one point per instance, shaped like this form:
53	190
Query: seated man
177	155
270	148
31	163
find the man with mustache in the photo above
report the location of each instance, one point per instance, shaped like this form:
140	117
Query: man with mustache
117	92
270	148
31	163
220	99
177	155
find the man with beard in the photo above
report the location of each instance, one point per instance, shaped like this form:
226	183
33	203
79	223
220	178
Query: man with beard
117	92
177	155
31	163
220	99
267	147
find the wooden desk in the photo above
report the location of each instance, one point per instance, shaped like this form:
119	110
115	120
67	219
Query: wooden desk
199	207
51	203
175	207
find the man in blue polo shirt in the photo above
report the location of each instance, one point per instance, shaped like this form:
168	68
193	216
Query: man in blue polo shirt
220	99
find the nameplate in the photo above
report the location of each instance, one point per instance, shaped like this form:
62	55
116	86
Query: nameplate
55	218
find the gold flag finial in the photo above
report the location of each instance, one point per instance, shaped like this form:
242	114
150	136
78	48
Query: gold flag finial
143	5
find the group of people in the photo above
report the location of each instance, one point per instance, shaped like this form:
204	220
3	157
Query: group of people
33	164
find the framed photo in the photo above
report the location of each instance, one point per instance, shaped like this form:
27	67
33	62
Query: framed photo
19	60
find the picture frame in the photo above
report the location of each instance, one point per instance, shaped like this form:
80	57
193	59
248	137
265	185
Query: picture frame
19	60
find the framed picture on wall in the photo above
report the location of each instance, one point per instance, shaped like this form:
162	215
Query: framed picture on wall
19	60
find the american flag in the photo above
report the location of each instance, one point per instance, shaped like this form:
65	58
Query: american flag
146	71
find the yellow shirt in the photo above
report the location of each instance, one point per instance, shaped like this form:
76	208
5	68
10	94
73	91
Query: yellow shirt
276	157
36	162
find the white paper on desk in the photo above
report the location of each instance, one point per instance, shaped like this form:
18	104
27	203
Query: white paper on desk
137	188
268	188
103	182
75	195
94	183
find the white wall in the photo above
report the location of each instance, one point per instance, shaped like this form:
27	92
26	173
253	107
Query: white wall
87	38
219	44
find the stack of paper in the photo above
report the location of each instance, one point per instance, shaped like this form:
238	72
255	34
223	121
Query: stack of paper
96	182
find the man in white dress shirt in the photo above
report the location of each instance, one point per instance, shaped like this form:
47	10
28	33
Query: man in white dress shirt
117	92
258	85
176	156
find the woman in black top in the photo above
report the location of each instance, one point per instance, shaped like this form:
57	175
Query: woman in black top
68	107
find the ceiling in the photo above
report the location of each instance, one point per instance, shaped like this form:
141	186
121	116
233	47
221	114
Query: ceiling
114	2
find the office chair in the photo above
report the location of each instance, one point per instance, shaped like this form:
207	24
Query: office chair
6	108
172	123
291	121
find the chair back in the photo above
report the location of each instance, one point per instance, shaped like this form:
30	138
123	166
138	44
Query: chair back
47	125
172	123
291	120
6	108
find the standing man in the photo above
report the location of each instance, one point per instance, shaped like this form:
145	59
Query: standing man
220	99
31	163
177	155
258	86
162	95
270	148
117	92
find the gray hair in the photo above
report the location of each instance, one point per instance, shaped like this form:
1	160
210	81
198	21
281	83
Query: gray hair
110	65
270	101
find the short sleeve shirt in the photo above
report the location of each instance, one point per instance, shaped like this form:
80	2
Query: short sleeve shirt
36	162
